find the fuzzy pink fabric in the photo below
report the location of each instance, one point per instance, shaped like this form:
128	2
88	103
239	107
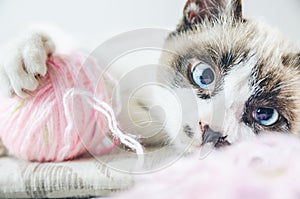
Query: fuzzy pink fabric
37	129
267	167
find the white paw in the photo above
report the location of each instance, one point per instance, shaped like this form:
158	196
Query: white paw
22	62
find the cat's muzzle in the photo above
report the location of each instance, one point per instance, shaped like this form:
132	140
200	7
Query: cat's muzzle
213	137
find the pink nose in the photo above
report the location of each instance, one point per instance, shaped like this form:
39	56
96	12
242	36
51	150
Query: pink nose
203	127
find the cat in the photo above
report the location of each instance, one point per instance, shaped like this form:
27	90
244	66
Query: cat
244	77
237	77
245	74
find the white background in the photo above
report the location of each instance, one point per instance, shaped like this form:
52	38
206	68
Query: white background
93	21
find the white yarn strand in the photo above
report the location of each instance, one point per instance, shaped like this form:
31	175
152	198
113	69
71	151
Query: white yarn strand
107	111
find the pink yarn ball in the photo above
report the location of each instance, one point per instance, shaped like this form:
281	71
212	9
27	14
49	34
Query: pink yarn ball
37	129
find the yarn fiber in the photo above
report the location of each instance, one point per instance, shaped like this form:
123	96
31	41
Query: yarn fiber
54	124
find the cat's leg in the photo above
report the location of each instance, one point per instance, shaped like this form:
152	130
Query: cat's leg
23	59
143	115
157	116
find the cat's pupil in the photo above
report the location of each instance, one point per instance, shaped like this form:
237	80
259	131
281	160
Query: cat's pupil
264	113
266	116
203	75
207	76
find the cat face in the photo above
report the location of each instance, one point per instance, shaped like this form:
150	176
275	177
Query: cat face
245	75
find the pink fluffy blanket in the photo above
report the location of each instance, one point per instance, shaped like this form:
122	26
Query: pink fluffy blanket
264	167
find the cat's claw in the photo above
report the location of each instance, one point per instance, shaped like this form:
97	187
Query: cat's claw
22	61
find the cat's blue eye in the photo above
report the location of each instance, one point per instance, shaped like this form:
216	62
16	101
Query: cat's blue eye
203	75
266	116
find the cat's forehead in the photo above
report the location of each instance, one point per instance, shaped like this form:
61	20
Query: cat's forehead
221	43
226	36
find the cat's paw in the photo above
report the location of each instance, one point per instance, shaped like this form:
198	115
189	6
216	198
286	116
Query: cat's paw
22	62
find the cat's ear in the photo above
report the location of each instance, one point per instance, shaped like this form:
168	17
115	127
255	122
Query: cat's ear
196	11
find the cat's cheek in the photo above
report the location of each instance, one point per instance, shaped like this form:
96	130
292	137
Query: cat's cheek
238	132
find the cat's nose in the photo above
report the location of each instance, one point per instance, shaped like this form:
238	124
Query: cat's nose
211	136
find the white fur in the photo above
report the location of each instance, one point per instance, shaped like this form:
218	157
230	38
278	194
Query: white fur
237	92
25	57
224	111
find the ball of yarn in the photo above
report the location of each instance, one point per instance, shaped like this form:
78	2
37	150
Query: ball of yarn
55	124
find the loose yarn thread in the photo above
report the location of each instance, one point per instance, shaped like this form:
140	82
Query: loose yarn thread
63	120
108	112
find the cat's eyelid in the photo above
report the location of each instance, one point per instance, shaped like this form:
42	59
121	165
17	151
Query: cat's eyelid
196	62
193	63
